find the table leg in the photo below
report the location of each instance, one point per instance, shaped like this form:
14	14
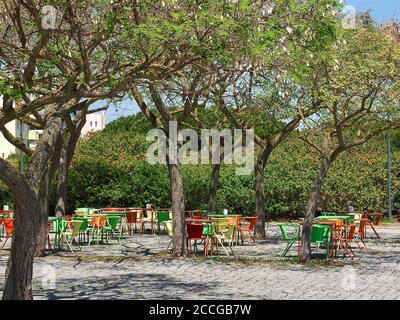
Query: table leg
152	222
298	241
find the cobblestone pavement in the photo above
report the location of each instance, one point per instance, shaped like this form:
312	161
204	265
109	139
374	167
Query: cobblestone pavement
135	269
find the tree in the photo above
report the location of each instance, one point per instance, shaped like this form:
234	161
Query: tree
46	72
359	92
66	152
268	94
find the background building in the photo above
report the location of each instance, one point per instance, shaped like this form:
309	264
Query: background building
94	122
18	131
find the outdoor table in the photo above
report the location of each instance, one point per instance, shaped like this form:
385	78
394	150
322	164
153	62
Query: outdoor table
224	215
194	220
345	218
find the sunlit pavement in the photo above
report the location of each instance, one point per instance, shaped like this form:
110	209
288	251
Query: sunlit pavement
137	268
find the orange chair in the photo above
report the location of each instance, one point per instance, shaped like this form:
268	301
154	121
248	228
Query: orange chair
377	222
360	233
9	226
98	222
344	241
246	229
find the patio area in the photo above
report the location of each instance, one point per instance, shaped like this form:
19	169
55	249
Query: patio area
139	268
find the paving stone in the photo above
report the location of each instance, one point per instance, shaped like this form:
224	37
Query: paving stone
135	268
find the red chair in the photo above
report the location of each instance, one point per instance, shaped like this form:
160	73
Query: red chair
197	214
9	226
132	219
194	233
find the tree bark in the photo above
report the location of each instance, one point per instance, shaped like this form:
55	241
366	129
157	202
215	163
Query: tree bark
66	154
19	271
305	252
179	247
41	219
212	196
30	194
260	192
62	191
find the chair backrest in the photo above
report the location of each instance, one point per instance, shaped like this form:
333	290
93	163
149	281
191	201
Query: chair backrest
194	231
230	232
169	227
284	227
196	214
84	223
320	233
361	227
131	217
252	222
98	221
221	225
76	227
162	216
112	221
9	226
351	231
208	229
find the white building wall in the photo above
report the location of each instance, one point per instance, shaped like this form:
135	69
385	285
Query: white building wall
7	148
94	122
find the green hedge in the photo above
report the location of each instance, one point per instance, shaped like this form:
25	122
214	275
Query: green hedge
110	170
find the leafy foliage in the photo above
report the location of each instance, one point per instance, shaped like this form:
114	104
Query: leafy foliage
110	169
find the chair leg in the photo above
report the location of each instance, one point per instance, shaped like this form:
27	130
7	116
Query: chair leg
288	246
375	231
5	241
223	247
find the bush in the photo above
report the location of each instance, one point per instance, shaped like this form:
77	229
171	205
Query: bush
110	169
6	197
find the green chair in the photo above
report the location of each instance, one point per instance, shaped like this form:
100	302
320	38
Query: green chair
162	216
57	228
111	226
69	231
84	227
290	233
321	235
208	234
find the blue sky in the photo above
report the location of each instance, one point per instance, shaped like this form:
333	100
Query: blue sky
382	10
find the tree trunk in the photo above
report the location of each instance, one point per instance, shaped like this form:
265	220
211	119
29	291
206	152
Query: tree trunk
260	192
179	247
212	196
41	223
31	214
62	190
18	284
305	252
